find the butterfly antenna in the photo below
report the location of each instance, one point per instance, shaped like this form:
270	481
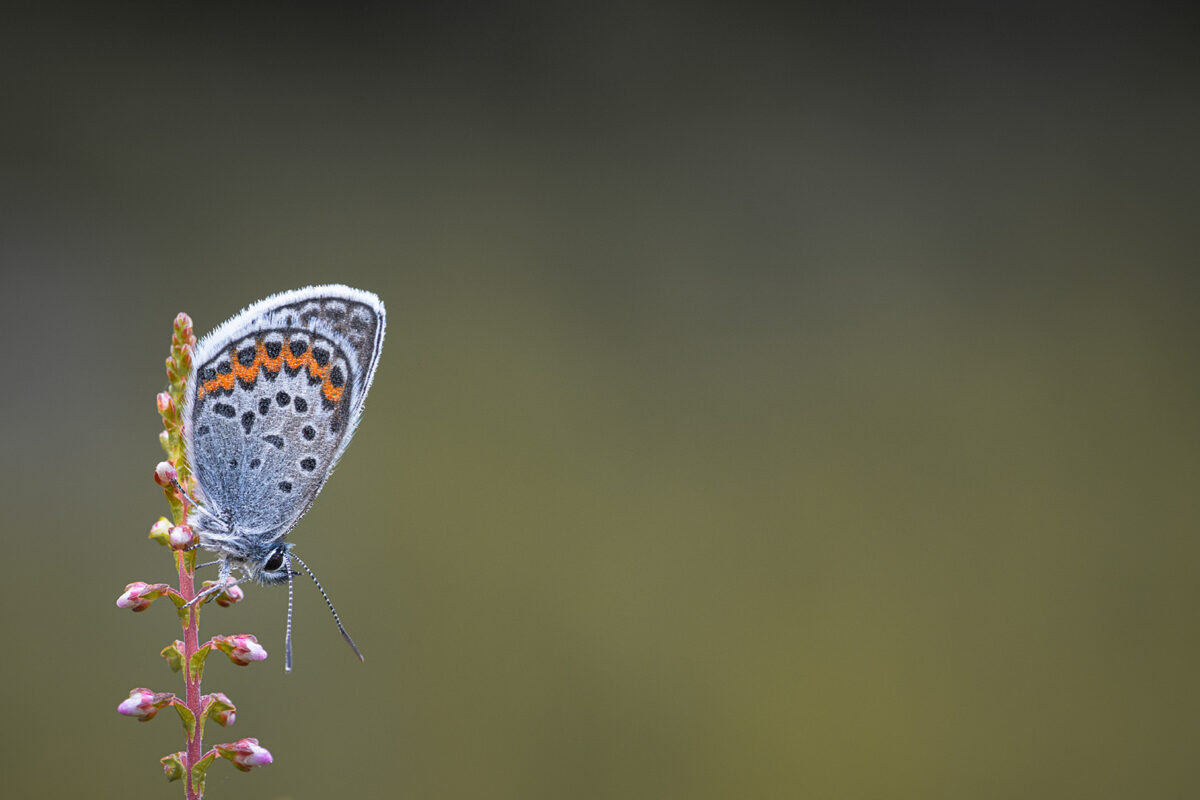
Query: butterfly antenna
332	610
287	640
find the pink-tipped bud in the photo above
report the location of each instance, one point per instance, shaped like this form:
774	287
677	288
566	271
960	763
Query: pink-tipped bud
186	354
183	327
164	474
245	754
139	595
160	530
230	595
144	704
140	704
132	598
166	404
181	537
173	766
242	648
220	709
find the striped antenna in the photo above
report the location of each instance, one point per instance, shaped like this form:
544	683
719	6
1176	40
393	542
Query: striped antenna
332	610
287	639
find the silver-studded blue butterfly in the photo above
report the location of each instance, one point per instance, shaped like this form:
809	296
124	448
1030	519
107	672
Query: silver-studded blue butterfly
274	399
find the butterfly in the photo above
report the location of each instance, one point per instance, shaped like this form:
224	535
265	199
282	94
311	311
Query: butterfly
273	401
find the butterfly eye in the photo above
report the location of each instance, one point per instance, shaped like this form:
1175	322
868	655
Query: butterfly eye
274	562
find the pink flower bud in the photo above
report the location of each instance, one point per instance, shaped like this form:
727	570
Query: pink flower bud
230	595
164	474
144	704
245	754
220	709
181	537
241	648
183	326
186	354
160	530
173	766
166	405
139	595
133	597
140	704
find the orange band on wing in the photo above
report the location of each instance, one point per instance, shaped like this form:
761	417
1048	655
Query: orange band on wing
250	374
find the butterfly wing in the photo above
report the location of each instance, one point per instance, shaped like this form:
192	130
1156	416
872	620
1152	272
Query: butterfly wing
274	399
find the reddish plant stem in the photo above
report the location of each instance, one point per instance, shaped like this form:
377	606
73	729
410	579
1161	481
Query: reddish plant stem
185	561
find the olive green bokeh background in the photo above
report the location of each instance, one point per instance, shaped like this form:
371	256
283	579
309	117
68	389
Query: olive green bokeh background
772	406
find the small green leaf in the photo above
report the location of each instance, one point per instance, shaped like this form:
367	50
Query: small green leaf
197	665
201	770
175	504
173	653
181	607
187	717
173	766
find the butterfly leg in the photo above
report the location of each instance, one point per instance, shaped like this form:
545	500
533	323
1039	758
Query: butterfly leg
224	581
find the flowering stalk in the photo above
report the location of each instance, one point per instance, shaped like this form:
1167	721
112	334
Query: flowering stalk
188	655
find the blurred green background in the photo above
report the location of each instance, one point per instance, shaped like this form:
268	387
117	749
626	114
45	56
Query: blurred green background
773	405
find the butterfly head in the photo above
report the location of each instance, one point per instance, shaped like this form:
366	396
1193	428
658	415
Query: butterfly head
269	564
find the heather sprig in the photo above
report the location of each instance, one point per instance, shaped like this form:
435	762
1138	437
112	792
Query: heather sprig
188	655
